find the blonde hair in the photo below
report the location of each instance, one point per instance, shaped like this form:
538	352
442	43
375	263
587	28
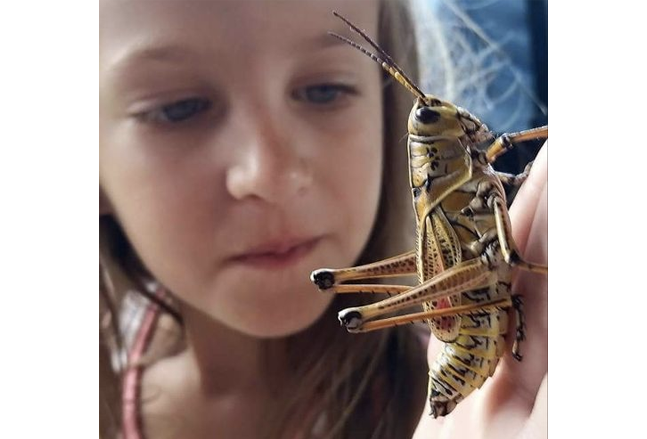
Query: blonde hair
367	386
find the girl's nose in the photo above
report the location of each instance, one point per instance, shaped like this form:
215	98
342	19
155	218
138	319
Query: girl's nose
269	166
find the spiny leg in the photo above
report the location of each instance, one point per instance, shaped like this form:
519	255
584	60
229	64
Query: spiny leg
508	247
373	325
369	288
506	142
464	276
517	304
400	265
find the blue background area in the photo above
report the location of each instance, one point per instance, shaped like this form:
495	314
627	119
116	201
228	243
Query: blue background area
500	48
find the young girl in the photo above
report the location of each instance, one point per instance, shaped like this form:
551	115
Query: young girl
241	147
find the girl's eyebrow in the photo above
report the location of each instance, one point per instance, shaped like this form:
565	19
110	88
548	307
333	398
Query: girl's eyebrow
159	53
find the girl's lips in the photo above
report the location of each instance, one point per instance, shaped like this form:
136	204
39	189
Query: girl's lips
277	255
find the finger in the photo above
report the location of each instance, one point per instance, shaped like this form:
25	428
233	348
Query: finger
523	207
537	426
534	287
520	381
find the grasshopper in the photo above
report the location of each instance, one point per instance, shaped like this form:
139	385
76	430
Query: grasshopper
464	254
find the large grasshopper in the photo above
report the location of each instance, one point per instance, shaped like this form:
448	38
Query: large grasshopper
464	254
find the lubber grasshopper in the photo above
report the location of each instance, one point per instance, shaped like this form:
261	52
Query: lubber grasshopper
464	254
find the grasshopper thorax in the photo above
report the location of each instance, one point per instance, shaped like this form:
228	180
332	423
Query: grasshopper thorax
441	136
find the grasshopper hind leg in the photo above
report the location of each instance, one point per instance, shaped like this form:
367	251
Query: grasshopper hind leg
400	265
520	334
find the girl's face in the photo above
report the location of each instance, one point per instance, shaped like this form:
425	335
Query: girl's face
240	148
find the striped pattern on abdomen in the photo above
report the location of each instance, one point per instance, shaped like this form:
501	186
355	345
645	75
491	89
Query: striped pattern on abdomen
464	364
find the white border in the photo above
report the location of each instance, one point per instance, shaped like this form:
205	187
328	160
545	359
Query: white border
48	232
597	222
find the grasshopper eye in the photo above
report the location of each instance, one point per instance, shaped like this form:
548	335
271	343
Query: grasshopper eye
427	115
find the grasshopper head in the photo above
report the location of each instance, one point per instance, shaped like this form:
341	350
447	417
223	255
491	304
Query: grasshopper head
431	116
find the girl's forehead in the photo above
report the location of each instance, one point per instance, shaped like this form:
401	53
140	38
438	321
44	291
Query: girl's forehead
229	22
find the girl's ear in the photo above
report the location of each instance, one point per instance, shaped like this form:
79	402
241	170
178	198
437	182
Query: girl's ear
105	208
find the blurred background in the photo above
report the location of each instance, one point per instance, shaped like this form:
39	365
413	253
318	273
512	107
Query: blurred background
491	58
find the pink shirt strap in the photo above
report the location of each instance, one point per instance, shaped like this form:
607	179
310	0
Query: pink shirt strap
132	426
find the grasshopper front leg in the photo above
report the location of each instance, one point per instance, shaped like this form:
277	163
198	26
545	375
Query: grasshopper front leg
514	180
506	142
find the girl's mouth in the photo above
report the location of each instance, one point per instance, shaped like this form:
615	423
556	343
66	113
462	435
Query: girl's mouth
278	254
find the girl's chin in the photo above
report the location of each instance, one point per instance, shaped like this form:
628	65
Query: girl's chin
268	314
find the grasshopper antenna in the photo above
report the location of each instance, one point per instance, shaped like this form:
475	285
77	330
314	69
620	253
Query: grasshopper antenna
386	61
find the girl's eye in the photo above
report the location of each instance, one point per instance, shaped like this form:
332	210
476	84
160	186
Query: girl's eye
177	111
323	94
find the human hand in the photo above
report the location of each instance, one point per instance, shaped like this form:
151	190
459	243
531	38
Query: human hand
512	403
